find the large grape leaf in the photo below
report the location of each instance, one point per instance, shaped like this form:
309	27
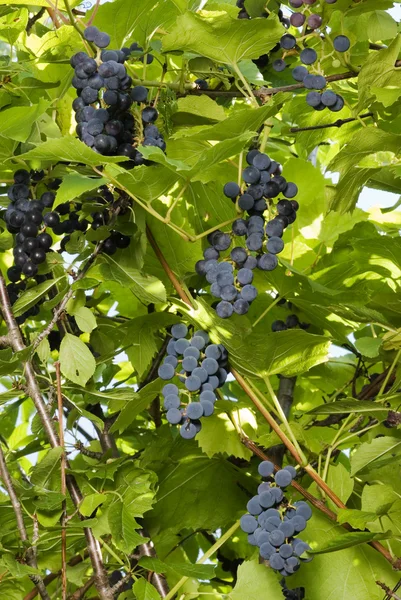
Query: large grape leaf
222	38
254	580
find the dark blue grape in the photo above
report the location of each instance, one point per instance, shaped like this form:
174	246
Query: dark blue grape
240	227
267	550
341	43
248	523
171	401
251	175
279	65
231	189
299	73
174	416
308	56
224	309
194	410
276	538
283	478
288	41
192	383
276	562
170	388
208	408
253	506
246	202
241	307
166	371
188	431
213	351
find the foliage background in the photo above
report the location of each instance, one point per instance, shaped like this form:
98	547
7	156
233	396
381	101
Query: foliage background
340	271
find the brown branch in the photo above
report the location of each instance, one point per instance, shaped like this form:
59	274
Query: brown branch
15	503
389	592
338	123
61	307
17	343
34	18
285	396
53	15
63	485
75	560
80	593
93	15
159	581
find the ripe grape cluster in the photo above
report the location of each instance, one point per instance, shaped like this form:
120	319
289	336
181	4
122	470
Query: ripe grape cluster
200	366
24	218
31	218
105	96
319	97
272	523
231	276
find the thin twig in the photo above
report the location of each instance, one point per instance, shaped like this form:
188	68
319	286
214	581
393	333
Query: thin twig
15	503
80	592
338	123
93	15
63	485
389	591
34	18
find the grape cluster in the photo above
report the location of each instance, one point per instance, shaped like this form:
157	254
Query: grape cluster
24	218
318	97
231	276
201	367
100	218
105	96
272	523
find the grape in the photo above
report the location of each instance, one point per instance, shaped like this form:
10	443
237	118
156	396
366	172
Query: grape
283	478
314	21
275	245
338	105
308	56
266	468
253	506
222	241
194	410
149	114
248	523
198	342
166	371
29	269
188	431
241	306
267	550
261	536
287	528
272	523
231	190
208	408
224	278
244	276
211	253
171	401
189	364
276	562
277	494
246	202
341	43
276	538
229	293
284	207
179	330
261	161
303	510
249	293
102	40
38	256
254	242
274	228
328	98
279	65
267	262
271	189
238	255
299	547
207	396
192	383
240	227
297	19
299	523
292	564
210	365
250	263
287	42
139	93
296	3
290	468
251	175
266	499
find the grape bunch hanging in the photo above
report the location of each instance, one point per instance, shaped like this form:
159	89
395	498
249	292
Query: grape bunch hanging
200	366
319	97
31	218
231	274
105	96
273	523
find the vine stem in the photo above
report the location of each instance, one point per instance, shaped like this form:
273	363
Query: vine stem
264	313
17	344
15	503
389	372
63	484
283	418
226	536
